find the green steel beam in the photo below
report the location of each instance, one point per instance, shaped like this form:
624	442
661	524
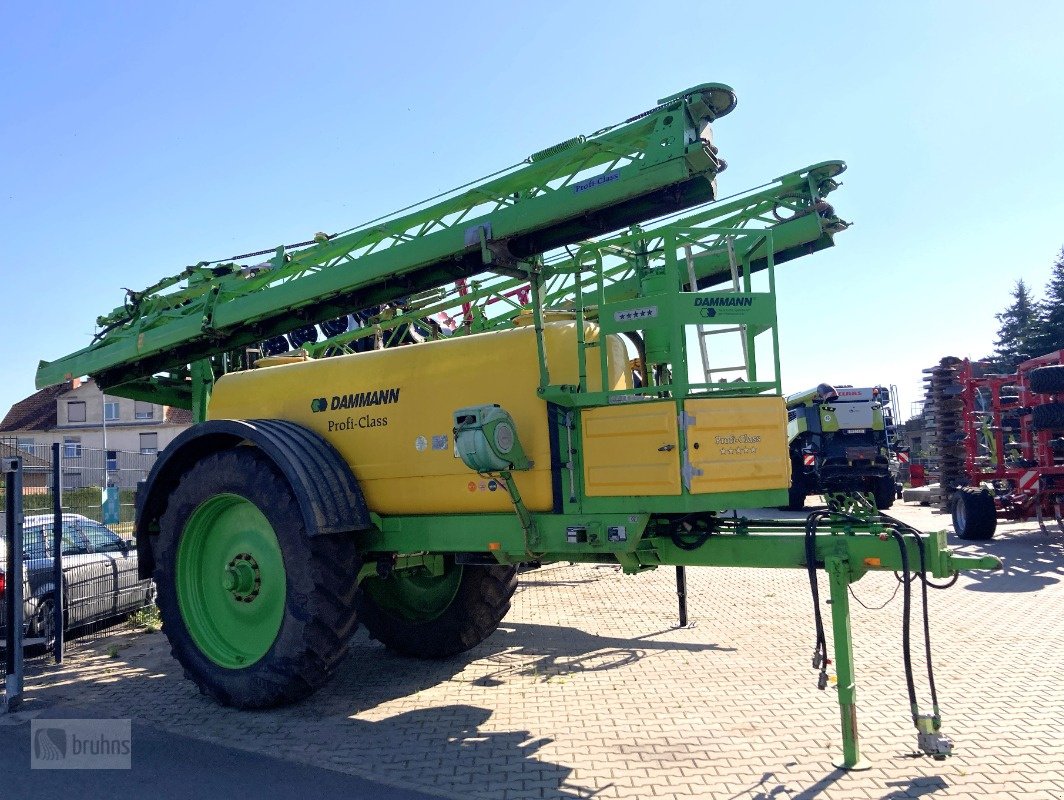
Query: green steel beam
652	164
793	207
768	544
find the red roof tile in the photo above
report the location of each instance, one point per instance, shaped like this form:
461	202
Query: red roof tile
178	416
37	412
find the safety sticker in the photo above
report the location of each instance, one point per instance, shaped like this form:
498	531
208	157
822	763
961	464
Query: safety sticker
421	444
439	442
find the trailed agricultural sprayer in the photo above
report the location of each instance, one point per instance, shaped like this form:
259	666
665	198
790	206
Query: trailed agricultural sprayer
543	409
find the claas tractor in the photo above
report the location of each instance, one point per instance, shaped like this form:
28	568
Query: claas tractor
840	442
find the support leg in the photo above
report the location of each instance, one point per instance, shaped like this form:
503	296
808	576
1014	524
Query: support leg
839	574
681	594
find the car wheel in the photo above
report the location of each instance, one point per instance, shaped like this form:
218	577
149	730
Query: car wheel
43	626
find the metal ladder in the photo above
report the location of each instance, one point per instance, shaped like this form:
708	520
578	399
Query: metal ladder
891	430
705	331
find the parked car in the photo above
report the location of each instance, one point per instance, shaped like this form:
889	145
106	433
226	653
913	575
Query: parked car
99	575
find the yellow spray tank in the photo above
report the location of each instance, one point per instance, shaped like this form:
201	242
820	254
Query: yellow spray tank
389	412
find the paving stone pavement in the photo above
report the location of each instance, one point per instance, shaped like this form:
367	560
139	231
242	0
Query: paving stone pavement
587	690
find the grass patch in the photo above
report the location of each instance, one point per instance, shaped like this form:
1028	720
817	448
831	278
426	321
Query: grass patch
147	619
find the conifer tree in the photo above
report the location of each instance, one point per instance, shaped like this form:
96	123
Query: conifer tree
1020	335
1051	335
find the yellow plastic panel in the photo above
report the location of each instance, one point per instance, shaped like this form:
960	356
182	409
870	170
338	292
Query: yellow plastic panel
739	444
388	412
623	452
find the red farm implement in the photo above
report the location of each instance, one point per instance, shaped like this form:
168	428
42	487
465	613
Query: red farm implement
1011	429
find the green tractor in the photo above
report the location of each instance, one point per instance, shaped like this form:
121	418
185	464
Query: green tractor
841	442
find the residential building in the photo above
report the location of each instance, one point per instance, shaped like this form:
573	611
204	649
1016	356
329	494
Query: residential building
36	472
103	438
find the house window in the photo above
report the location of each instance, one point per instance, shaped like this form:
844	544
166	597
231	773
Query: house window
142	410
76	411
110	411
27	445
72	446
149	443
112	461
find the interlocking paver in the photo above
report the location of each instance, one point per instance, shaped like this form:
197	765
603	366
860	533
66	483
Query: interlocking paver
588	691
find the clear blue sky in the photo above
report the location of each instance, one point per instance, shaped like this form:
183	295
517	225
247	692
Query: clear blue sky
137	138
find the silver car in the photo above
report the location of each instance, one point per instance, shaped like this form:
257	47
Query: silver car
99	575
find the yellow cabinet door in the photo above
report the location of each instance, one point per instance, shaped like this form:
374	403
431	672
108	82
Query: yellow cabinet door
631	450
737	444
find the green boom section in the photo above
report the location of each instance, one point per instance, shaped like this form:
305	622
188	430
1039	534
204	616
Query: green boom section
655	163
793	209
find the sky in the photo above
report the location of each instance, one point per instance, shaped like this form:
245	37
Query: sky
137	138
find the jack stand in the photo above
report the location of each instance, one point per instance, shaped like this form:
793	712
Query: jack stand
681	596
838	570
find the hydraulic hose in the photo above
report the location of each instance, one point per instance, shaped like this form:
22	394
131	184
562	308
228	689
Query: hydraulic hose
904	526
906	651
820	649
927	625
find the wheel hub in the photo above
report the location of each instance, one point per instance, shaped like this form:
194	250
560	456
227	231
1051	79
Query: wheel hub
242	578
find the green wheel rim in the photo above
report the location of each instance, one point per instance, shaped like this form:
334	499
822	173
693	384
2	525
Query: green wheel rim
230	580
416	594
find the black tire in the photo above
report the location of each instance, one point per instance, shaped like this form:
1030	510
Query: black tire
480	602
974	514
1047	380
42	625
884	491
1049	417
321	583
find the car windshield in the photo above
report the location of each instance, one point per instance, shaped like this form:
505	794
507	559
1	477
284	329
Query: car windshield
80	537
101	539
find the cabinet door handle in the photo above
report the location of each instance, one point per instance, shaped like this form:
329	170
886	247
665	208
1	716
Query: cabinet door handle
666	448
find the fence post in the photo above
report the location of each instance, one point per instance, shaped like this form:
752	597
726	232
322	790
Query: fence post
57	550
15	611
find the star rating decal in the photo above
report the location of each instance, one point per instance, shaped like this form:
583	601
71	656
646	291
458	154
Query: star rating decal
636	313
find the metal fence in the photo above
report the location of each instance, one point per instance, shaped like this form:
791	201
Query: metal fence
94	552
